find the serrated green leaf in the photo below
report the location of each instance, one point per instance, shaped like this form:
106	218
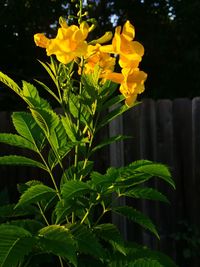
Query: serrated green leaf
145	263
137	217
62	210
47	89
26	126
100	180
74	188
31	96
135	252
154	169
22	187
110	141
58	240
9	212
49	69
107	90
32	226
112	115
46	119
20	160
146	193
15	243
87	241
109	232
69	128
113	101
35	194
81	170
16	140
10	83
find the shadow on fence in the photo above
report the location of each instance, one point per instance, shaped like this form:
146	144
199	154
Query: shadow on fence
163	131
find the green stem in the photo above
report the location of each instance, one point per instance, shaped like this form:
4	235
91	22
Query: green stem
80	11
78	126
91	139
50	174
42	213
61	262
86	214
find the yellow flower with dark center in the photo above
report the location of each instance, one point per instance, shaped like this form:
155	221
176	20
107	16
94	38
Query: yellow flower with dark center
95	57
130	52
68	44
131	83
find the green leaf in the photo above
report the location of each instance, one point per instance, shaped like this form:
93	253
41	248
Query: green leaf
145	263
10	83
82	169
112	115
109	232
9	211
22	187
79	109
154	169
31	96
20	160
69	128
103	181
113	101
62	210
136	252
87	241
35	194
16	140
110	141
33	226
15	243
107	90
137	217
46	119
58	240
47	89
74	188
145	193
26	126
59	139
48	68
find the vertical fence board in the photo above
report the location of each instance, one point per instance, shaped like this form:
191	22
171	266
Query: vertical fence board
164	154
183	150
183	172
148	151
195	200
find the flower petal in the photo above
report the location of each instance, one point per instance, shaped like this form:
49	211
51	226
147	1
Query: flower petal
128	31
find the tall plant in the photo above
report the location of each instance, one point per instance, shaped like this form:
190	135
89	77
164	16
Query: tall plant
56	224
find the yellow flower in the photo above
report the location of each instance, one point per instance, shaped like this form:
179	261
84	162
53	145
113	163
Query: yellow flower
95	57
68	44
131	83
41	40
130	51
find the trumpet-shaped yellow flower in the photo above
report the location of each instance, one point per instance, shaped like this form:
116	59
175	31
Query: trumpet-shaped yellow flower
131	83
130	51
68	44
95	57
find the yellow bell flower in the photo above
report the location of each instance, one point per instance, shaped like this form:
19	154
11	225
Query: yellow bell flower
130	52
68	44
131	83
95	57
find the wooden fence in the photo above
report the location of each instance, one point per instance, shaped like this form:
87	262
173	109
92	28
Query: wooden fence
163	131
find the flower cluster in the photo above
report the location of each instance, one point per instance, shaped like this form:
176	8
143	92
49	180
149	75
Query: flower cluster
70	43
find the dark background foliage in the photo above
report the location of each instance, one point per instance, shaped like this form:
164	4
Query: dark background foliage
168	29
